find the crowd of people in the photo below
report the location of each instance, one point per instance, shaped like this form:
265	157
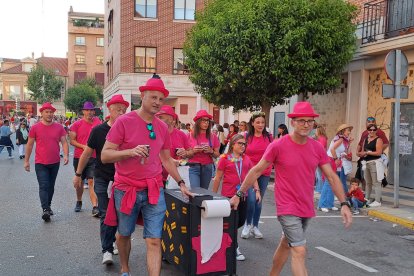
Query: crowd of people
132	155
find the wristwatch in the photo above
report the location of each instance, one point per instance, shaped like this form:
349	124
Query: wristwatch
180	182
78	174
345	203
239	194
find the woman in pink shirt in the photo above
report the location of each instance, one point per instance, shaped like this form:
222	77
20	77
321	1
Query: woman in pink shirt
258	139
205	146
232	169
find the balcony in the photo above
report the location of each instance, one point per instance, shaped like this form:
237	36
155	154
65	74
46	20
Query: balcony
386	19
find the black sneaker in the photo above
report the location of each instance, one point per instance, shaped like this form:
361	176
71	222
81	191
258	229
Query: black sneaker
51	212
78	206
46	215
95	211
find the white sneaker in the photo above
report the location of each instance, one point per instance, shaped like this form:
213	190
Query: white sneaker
239	255
115	249
256	233
246	231
325	210
375	204
334	208
107	258
85	186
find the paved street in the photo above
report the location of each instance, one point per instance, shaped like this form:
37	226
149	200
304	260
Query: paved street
69	244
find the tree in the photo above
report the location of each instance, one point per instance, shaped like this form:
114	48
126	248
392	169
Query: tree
253	54
44	85
98	88
78	94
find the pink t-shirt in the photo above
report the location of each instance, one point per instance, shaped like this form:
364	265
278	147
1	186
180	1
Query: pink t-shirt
231	178
178	140
129	131
47	142
323	141
201	157
256	147
295	167
82	129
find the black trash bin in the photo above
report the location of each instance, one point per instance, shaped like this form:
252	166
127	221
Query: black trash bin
182	224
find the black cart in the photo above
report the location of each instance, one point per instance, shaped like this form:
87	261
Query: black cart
182	223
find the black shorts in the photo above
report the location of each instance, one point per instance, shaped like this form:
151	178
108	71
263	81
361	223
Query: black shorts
89	170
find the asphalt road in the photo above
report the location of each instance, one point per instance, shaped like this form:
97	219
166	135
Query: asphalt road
70	244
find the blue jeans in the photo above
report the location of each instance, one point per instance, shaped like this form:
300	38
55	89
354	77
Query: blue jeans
327	196
319	181
356	204
254	208
200	175
9	150
342	176
46	176
107	232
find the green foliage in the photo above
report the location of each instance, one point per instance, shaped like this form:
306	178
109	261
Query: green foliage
44	85
92	82
255	53
78	94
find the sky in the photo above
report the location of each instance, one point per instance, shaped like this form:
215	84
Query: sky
38	26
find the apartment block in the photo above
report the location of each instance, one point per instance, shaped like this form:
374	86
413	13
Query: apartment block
85	46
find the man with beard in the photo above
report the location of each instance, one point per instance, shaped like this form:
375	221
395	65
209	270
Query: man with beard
47	135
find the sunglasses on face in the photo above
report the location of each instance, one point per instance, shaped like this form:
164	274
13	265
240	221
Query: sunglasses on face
243	144
372	129
150	128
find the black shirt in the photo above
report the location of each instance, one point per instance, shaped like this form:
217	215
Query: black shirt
96	141
370	146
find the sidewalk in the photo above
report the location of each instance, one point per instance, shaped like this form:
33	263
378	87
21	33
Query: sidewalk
403	215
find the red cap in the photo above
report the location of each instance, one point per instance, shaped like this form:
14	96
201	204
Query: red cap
167	110
303	109
117	99
155	84
200	114
47	105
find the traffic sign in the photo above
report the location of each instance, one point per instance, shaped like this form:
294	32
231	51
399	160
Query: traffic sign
388	91
390	65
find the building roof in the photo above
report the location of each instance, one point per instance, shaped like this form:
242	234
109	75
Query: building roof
13	70
9	59
58	65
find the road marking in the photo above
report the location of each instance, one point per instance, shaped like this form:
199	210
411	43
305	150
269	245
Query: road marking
275	217
348	260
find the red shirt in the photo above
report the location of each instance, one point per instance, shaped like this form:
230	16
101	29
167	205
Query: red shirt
201	157
178	140
47	139
358	194
380	134
324	142
295	167
82	128
231	178
129	131
256	147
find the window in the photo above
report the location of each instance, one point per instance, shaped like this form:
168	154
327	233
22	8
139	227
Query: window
110	26
79	76
80	59
14	92
146	8
26	93
100	41
80	40
99	60
145	60
184	109
184	9
179	63
100	78
28	67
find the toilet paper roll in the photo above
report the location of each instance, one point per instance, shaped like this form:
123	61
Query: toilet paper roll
212	226
215	208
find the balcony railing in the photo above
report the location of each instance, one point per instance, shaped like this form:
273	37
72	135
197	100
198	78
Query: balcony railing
387	18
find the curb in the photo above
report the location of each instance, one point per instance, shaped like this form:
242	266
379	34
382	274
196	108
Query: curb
387	217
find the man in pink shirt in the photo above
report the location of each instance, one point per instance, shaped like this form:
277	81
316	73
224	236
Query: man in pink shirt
295	157
79	134
47	135
179	142
138	143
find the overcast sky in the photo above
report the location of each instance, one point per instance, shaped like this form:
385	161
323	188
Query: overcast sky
26	27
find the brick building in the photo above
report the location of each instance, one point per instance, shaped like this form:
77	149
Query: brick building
85	46
141	39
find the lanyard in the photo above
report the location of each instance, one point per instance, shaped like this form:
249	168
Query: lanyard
239	169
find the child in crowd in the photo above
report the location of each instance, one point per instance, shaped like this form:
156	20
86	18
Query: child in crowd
355	196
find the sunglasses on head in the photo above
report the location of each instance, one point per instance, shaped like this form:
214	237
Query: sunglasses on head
370	119
150	128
